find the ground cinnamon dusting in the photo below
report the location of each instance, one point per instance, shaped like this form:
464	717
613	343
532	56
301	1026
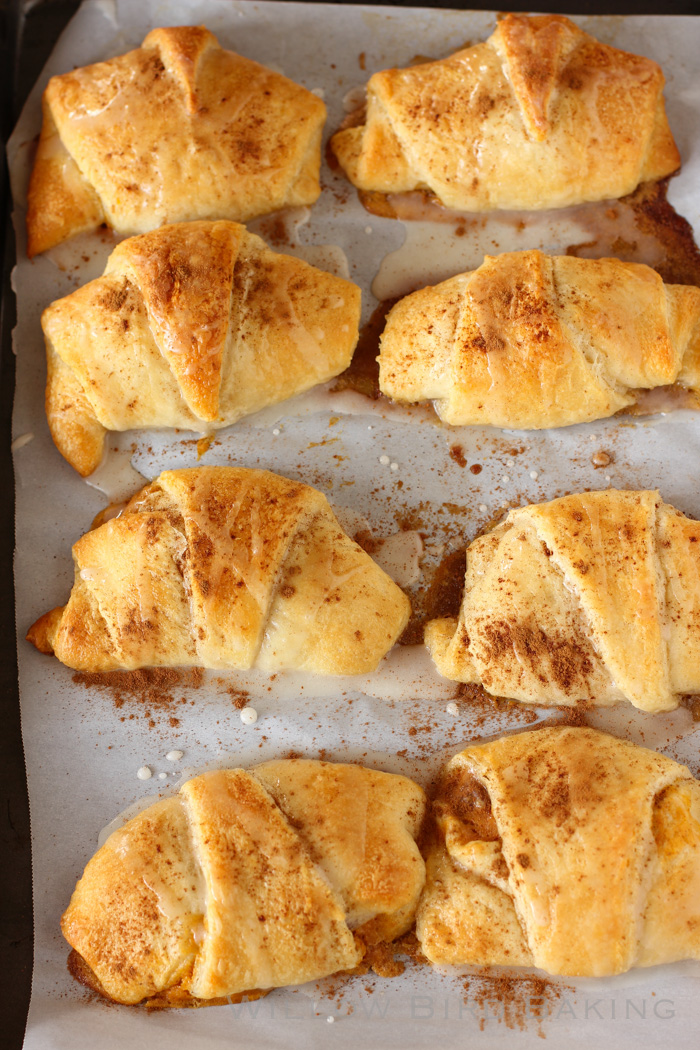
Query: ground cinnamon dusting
331	159
483	706
383	959
365	539
465	797
416	518
656	216
274	230
516	1001
693	705
148	693
362	375
569	662
442	597
574	716
239	697
457	454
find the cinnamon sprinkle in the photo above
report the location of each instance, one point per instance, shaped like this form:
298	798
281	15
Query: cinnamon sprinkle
511	999
148	693
457	454
362	374
692	703
383	958
442	597
483	706
239	697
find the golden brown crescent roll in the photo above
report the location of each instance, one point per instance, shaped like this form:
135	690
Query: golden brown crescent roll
178	129
531	341
564	849
539	116
590	597
246	881
192	326
224	567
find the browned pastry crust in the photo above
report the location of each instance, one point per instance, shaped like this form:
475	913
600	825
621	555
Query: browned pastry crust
177	997
591	597
541	115
564	849
179	129
224	567
192	326
246	881
531	341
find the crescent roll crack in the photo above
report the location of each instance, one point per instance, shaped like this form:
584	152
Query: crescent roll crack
541	115
224	567
192	326
564	849
592	597
530	341
179	129
246	881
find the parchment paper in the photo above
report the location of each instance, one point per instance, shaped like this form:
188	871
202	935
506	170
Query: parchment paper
83	751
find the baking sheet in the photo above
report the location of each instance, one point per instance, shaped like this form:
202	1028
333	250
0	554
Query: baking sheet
84	746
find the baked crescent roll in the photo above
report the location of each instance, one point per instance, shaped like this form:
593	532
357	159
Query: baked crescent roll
591	597
246	881
564	849
178	129
530	341
192	326
224	567
539	116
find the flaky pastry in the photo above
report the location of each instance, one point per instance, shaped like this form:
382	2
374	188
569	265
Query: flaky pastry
178	129
541	115
530	341
564	849
224	567
246	881
192	326
592	597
